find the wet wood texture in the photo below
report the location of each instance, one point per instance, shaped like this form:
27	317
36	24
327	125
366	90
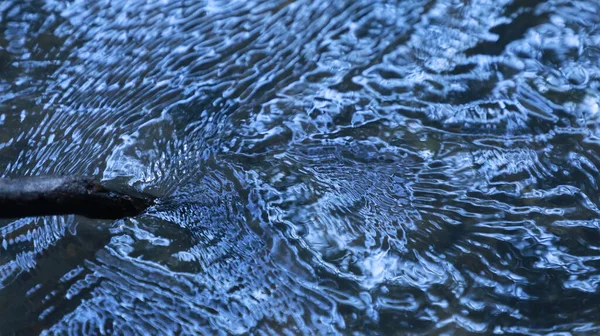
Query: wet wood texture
46	195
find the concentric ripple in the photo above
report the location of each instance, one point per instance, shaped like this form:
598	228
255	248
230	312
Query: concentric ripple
323	167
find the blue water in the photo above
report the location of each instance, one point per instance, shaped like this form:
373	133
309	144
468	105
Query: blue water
323	167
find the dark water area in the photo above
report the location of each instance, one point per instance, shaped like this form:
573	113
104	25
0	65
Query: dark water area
323	167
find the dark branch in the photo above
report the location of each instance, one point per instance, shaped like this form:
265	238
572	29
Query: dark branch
45	196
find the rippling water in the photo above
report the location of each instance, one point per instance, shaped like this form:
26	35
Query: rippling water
324	167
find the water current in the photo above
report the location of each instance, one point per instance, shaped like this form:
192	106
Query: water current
323	167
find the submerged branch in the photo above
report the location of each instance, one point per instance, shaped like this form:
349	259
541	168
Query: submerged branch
45	196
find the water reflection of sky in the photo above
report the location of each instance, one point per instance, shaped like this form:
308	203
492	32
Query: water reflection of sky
381	167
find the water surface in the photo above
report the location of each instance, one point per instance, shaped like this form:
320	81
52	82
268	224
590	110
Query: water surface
324	167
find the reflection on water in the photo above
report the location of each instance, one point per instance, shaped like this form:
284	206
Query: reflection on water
383	167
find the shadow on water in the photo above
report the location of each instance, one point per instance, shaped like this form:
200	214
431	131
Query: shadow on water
324	167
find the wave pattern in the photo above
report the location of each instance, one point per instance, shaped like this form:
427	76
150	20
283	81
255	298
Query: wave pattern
324	167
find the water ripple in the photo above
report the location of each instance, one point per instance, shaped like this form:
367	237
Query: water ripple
376	167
